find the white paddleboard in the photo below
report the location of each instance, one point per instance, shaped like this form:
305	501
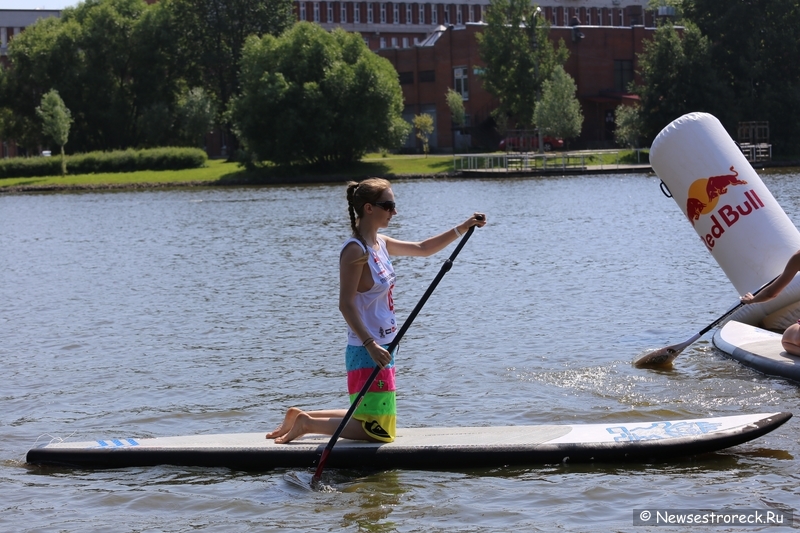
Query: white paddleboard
757	348
425	448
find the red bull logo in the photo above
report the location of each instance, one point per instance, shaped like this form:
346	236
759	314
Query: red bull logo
704	196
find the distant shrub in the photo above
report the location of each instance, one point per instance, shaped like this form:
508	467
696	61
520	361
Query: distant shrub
96	162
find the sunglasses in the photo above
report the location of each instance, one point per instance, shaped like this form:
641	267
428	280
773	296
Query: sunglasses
387	205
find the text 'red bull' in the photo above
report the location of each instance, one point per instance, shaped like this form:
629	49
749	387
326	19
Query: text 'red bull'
704	195
730	215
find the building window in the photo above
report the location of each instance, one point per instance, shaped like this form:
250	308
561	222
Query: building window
342	12
434	14
459	16
460	84
623	75
472	13
383	13
316	11
427	76
330	12
302	11
394	42
621	18
406	78
421	19
370	15
357	13
446	14
383	42
396	14
405	42
409	14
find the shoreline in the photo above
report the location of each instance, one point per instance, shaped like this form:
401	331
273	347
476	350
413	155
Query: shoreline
244	179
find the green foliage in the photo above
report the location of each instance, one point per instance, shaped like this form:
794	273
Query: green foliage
628	125
558	113
196	113
456	104
755	49
518	55
679	77
424	125
115	161
211	36
56	120
124	67
310	96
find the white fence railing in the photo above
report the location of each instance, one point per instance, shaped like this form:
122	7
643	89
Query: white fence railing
521	162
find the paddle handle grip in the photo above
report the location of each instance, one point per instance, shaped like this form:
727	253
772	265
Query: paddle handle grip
448	264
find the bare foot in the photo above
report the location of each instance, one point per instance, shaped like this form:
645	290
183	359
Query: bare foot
299	429
288	422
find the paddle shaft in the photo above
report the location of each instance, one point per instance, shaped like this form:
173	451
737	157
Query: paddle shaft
734	308
448	264
668	354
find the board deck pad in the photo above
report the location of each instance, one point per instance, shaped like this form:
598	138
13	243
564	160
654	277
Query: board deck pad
424	448
757	348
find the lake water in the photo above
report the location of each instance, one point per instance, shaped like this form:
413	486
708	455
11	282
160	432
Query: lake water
173	312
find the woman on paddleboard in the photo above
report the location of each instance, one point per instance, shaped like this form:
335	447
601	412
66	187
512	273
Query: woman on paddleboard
366	284
791	337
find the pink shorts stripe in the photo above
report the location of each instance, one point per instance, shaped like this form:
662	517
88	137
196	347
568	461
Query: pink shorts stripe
383	383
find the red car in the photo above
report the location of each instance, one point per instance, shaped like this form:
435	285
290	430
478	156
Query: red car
531	143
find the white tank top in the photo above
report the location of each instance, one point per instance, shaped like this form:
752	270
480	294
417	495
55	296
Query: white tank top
376	305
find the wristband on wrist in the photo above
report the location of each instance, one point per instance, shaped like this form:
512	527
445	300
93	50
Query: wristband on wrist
458	233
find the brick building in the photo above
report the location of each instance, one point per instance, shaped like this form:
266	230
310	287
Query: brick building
602	64
433	47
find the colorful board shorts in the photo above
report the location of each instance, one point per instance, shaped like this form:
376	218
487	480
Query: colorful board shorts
378	409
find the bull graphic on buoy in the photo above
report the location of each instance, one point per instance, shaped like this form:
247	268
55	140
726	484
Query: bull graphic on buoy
704	193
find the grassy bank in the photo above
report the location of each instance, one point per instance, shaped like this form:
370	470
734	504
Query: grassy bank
218	172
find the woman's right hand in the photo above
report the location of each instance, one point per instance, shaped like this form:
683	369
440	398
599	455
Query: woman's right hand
379	354
747	298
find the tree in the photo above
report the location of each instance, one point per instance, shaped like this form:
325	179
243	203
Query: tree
456	104
518	56
754	49
458	113
424	125
679	76
56	120
628	125
196	113
108	79
558	113
312	96
212	34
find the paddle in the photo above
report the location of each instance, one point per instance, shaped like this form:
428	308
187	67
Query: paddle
666	355
445	268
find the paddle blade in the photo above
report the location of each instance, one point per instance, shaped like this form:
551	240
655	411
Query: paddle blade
658	358
306	481
302	480
664	356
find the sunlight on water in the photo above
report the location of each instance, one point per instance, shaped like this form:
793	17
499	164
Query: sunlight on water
158	313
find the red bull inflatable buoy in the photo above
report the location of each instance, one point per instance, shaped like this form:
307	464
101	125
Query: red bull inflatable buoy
736	217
